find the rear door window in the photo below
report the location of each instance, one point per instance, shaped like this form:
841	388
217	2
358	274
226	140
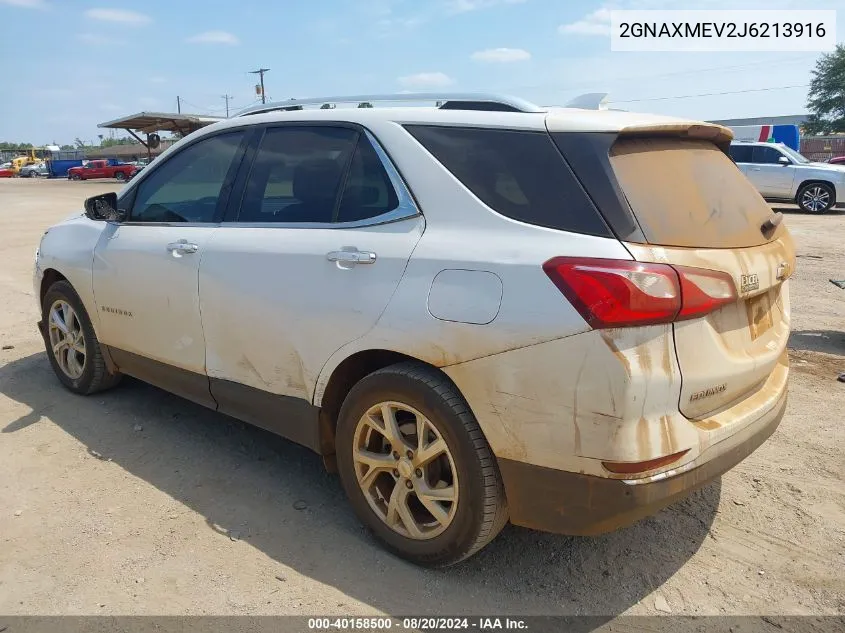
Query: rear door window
689	193
518	174
298	174
741	153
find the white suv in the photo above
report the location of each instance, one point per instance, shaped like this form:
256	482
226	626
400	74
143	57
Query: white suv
781	173
478	312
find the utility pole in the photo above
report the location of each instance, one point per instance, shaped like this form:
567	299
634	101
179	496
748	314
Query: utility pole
178	104
260	72
227	97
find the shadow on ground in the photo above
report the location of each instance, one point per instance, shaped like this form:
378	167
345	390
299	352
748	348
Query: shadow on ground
827	341
244	479
796	210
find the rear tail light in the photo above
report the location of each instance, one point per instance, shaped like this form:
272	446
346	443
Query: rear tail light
612	293
704	291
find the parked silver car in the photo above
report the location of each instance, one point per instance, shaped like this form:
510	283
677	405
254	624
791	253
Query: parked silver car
781	174
33	171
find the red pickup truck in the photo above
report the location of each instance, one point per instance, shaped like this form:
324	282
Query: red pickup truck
101	169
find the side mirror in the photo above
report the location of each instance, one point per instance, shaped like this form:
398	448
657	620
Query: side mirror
104	208
783	160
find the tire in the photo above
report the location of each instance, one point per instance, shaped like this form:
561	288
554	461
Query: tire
816	197
94	375
120	176
75	177
479	509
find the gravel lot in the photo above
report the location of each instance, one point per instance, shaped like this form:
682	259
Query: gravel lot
138	502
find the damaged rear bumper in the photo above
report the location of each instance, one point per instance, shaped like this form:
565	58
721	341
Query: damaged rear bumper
564	502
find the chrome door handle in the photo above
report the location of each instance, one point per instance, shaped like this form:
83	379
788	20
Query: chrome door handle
351	257
182	247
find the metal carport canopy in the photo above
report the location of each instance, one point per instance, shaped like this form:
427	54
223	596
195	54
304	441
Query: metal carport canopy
148	122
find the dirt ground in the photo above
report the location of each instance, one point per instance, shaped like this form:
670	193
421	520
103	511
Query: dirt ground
138	502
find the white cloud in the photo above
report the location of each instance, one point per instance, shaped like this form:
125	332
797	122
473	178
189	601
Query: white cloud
123	16
426	80
214	37
26	4
464	6
501	55
596	23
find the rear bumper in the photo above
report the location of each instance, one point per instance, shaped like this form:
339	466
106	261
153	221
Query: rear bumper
572	503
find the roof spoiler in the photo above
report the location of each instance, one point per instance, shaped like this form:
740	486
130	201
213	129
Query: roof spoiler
717	134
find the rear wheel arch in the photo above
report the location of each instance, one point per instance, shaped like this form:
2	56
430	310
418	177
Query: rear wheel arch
345	376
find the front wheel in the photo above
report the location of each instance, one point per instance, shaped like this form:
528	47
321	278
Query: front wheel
75	177
816	197
416	467
120	176
72	346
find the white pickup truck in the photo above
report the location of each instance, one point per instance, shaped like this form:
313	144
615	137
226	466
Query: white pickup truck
782	174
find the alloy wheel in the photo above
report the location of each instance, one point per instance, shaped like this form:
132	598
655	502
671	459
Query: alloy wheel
67	340
405	470
815	199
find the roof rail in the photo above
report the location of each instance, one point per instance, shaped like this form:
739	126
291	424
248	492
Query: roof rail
452	101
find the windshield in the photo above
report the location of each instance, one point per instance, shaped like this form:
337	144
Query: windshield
793	155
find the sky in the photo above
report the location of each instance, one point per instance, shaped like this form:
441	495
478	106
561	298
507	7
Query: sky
71	64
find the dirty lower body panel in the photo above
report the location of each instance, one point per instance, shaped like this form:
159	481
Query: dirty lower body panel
573	503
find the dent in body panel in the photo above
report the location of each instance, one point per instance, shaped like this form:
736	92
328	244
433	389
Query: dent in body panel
601	395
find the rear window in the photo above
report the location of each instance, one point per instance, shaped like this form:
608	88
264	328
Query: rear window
518	174
688	193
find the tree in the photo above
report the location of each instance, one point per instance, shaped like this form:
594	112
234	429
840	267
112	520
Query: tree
111	142
12	147
826	99
365	104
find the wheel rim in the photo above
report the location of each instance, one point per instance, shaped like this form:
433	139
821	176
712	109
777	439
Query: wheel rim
67	341
815	199
405	470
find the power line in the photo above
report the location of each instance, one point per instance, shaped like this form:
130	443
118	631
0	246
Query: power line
710	94
692	71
